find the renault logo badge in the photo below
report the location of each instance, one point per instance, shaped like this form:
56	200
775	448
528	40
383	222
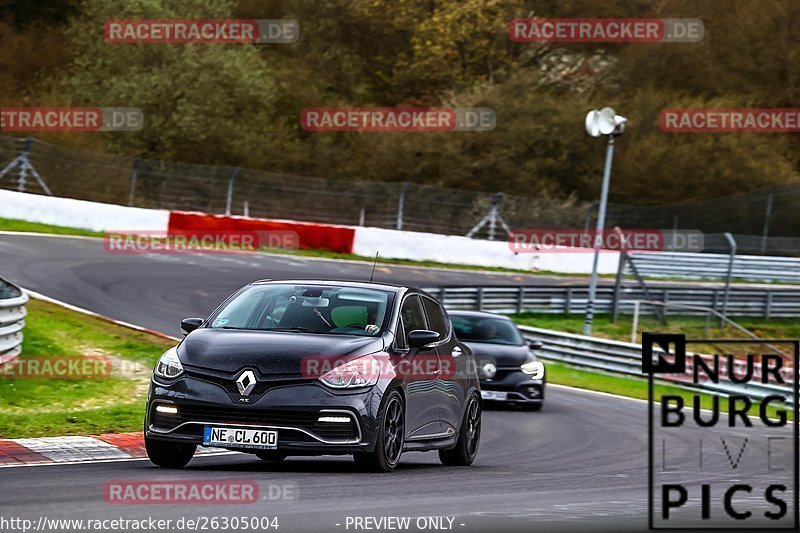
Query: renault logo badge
246	382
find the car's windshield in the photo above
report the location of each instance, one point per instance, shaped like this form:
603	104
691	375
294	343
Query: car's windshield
486	329
307	309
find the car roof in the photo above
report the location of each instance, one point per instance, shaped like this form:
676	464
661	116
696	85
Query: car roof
338	283
484	314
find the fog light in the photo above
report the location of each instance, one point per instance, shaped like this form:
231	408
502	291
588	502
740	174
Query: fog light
533	392
167	409
335	419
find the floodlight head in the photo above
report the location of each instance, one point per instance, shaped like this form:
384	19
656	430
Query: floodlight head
604	122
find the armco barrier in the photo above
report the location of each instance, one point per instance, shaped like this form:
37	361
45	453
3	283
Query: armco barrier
12	320
743	301
615	357
715	266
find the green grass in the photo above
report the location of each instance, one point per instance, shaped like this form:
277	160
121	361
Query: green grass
46	407
34	227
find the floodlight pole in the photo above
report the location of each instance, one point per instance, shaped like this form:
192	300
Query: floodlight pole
601	222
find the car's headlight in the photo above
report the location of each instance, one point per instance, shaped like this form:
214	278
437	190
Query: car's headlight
533	368
359	372
169	366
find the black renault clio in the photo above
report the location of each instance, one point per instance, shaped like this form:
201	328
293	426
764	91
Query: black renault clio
314	368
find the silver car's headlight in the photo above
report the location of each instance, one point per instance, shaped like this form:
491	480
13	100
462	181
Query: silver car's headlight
169	366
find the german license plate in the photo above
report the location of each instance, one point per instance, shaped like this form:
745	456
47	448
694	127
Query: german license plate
494	395
240	437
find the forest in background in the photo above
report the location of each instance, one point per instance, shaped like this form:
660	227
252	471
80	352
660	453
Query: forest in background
239	105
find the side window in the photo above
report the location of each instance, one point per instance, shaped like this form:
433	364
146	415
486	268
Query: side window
412	318
437	320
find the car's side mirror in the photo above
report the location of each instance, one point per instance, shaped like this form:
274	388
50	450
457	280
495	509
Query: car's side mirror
188	325
535	345
419	338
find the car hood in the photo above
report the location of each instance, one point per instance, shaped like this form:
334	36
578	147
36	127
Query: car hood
503	354
269	352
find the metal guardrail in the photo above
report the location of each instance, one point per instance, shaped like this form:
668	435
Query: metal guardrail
625	358
12	320
742	301
715	266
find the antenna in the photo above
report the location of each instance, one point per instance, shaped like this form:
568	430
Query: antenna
374	264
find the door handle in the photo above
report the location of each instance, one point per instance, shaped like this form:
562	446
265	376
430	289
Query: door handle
457	351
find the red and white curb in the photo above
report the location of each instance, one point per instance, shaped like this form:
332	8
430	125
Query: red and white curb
75	449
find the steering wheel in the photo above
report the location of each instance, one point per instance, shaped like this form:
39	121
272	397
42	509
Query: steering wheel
357	326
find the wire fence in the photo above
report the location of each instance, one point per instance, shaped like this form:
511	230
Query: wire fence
764	221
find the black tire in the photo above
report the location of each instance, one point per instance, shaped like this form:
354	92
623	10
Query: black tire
469	437
390	439
270	456
169	454
534	406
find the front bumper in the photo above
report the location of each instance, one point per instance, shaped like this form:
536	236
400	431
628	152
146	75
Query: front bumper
293	410
518	386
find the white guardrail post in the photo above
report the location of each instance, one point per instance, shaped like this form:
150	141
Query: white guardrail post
12	320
